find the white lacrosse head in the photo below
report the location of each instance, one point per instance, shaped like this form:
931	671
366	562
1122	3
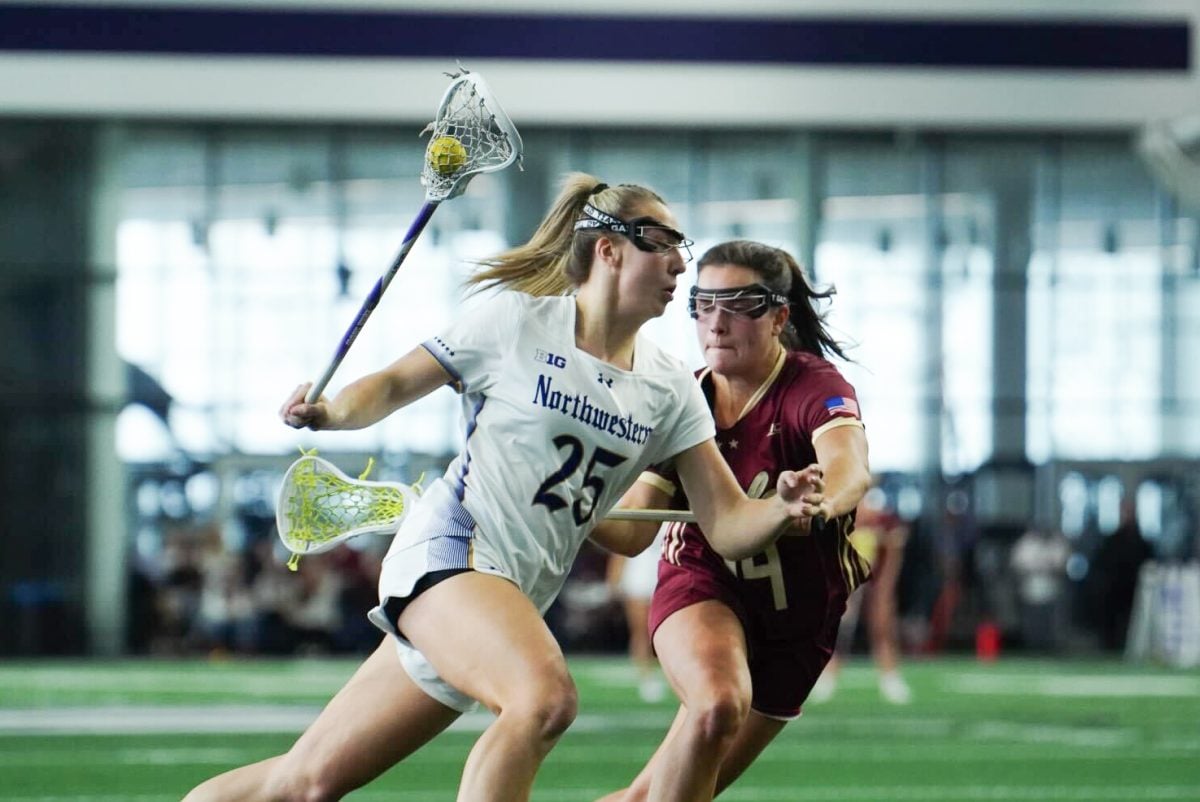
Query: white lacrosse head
318	506
471	115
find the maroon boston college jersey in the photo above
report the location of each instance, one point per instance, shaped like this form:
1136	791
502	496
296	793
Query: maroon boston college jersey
795	591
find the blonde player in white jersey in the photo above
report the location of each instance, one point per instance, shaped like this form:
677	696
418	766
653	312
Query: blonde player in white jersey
564	405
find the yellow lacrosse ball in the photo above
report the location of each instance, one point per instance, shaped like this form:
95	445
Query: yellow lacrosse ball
447	155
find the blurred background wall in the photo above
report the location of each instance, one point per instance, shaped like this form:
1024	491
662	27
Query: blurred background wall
195	197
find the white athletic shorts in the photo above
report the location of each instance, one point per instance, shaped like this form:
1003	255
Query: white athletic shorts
419	669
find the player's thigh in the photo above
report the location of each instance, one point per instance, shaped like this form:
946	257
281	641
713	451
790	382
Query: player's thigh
702	649
376	719
485	637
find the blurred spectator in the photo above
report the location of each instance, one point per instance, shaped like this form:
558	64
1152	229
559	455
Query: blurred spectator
313	611
586	615
358	563
1039	560
1115	570
271	591
879	536
632	580
179	593
226	611
955	543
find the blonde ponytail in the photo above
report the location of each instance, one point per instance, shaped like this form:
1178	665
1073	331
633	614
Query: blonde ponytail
557	258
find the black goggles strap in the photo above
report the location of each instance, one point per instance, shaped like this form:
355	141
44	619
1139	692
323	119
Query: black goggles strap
594	218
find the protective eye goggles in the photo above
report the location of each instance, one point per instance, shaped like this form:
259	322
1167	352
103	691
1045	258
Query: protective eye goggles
751	301
646	233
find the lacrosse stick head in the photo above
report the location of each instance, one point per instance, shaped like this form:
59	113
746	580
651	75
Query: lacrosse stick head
319	506
470	135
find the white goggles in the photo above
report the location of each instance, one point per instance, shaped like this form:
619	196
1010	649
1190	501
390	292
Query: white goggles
751	301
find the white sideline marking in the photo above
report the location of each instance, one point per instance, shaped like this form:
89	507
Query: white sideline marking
192	719
805	740
1112	737
288	681
128	720
453	754
1128	686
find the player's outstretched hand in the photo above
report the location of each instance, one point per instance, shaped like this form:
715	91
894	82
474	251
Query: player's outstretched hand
299	415
803	491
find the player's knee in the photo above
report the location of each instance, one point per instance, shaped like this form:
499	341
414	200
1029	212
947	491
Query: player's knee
721	713
549	707
558	710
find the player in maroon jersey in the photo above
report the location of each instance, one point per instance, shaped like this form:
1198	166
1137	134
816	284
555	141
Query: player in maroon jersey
743	642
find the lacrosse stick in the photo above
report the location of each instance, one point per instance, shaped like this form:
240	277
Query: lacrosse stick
470	135
318	506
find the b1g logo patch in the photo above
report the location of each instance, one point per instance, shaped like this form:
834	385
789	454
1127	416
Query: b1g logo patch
553	360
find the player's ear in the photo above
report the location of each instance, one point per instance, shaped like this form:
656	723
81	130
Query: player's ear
606	250
780	319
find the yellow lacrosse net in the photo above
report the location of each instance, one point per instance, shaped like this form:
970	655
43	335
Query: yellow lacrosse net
319	506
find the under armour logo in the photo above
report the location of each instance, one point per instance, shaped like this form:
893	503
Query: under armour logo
605	380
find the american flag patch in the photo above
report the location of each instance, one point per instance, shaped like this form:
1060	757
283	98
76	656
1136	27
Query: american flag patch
841	404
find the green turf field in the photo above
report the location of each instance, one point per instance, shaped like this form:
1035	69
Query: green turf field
1013	730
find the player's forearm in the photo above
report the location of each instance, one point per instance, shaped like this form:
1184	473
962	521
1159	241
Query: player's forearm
842	454
631	538
846	482
741	529
377	395
362	403
734	525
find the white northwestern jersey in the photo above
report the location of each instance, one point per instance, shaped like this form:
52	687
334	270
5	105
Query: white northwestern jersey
553	438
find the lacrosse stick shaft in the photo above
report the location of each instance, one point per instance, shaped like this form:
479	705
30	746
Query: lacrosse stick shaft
364	312
684	516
